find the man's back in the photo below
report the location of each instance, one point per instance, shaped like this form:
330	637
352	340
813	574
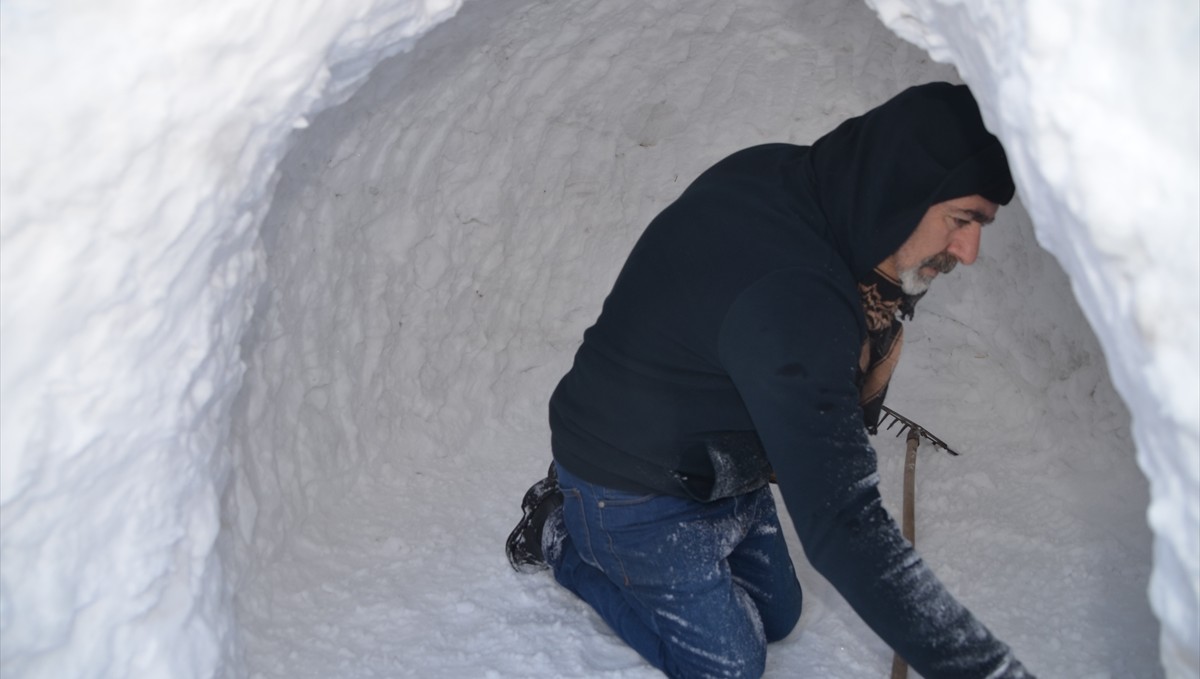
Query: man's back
649	385
736	334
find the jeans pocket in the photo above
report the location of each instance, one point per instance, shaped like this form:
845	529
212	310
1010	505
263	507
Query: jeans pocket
577	525
633	514
610	497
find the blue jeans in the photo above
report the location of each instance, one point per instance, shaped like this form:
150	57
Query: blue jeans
698	589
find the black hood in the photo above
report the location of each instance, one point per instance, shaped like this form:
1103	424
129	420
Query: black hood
876	175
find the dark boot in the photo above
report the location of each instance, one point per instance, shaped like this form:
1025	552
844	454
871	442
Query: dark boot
524	545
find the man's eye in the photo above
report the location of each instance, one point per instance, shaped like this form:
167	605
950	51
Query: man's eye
960	222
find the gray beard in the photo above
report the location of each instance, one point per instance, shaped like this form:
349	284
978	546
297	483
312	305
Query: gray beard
912	282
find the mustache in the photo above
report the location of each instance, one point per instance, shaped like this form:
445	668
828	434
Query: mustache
943	262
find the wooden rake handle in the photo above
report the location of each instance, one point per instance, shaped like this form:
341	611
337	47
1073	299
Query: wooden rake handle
908	521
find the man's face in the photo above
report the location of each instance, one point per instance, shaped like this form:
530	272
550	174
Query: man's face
947	235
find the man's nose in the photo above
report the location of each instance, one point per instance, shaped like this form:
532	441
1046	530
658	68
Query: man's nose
964	244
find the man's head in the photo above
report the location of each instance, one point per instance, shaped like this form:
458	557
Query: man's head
879	175
947	235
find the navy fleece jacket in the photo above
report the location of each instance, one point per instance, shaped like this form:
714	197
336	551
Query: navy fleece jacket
738	311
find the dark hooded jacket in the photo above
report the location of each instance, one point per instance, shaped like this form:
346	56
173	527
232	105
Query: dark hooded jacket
738	312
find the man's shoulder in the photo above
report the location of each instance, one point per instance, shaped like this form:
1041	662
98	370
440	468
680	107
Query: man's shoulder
818	283
804	299
758	156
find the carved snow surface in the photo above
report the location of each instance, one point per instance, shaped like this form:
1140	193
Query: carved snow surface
402	291
438	245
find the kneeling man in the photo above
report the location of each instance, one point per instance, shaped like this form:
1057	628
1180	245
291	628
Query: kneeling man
753	330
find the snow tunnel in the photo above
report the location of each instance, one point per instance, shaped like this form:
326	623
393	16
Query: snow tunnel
286	288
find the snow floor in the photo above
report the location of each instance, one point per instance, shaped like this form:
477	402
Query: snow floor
435	249
406	576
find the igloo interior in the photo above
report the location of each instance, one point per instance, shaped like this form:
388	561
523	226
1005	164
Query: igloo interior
286	288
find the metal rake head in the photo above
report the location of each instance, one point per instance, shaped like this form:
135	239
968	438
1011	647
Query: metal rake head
906	424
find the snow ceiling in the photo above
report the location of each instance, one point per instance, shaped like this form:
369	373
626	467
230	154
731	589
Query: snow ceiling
139	159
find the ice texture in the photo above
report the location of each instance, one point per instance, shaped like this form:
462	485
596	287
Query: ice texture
1110	173
140	146
270	413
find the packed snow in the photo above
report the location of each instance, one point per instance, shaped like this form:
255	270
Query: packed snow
404	288
437	246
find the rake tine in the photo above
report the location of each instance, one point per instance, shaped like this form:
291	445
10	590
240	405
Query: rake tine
906	423
894	422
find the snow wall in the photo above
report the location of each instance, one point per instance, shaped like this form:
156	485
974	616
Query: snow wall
1098	107
140	148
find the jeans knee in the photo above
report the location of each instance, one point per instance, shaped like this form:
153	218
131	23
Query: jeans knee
781	628
739	663
752	666
756	664
783	621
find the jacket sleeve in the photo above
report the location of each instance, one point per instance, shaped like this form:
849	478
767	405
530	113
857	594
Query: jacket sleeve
791	344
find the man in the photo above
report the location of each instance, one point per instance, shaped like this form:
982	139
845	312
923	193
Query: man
753	329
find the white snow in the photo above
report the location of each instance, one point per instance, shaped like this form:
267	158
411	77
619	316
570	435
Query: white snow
1116	199
140	142
272	416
